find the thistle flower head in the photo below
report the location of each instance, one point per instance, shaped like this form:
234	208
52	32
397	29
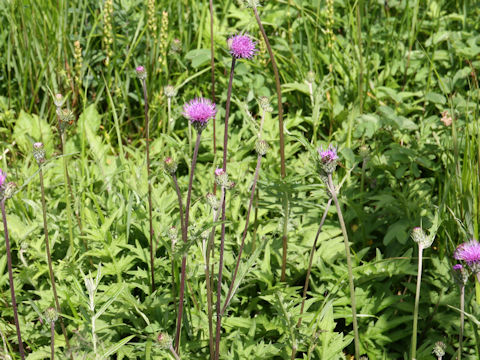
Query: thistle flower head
169	91
261	147
439	349
242	47
213	201
265	104
328	158
58	100
141	72
164	340
39	153
421	238
3	176
221	178
8	190
470	253
170	165
199	111
51	315
176	46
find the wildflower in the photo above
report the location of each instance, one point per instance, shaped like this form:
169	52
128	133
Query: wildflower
446	118
170	165
51	315
221	178
460	274
470	253
265	104
176	46
242	47
8	190
199	111
58	100
173	235
141	72
213	201
421	238
328	158
39	153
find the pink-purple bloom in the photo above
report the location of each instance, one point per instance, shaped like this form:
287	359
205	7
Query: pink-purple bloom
328	155
242	47
457	267
3	176
219	172
468	252
199	111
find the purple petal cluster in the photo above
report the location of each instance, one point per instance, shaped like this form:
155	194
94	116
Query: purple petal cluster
242	47
468	252
3	176
199	111
328	155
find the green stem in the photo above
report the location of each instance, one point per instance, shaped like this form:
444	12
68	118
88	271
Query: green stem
349	265
417	300
52	340
462	321
49	258
10	279
67	196
360	56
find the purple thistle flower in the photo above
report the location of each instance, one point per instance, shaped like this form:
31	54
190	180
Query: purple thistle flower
328	155
3	176
242	47
141	72
219	172
470	253
199	111
457	267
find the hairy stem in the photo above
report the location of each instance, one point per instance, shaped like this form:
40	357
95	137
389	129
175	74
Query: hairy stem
10	279
312	252
49	258
244	235
349	265
417	300
185	239
150	220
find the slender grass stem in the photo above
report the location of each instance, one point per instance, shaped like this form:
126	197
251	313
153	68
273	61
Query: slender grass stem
310	261
185	239
10	279
280	130
244	235
349	265
417	300
49	258
150	220
462	321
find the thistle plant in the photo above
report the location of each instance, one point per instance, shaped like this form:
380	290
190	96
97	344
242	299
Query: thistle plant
39	155
142	75
439	350
241	47
328	162
460	274
424	241
6	192
198	111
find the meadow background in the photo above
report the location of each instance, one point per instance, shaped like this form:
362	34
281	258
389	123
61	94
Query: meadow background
374	78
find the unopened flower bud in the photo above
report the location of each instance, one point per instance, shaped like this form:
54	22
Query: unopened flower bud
173	235
164	340
212	200
170	165
421	238
141	72
221	178
170	91
310	77
58	100
439	349
9	190
51	315
176	46
363	151
460	274
265	104
66	116
39	152
261	147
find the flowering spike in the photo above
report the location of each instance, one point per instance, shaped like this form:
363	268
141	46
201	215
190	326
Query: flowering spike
242	47
199	111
